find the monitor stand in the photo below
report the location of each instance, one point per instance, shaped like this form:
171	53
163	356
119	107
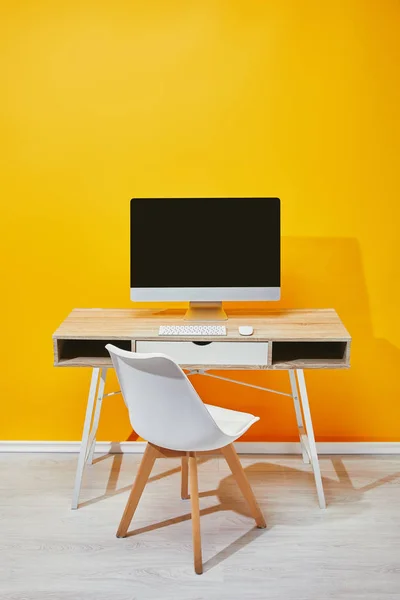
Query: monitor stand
205	311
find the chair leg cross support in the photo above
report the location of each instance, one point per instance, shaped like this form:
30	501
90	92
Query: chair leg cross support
189	467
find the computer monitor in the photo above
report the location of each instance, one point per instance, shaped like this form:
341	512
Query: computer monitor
205	251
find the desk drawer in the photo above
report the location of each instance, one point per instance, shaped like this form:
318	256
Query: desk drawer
214	353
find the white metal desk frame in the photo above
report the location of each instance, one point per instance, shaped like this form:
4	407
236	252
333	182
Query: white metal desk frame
300	400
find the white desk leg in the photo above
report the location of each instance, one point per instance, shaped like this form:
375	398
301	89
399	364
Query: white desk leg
311	438
85	437
299	417
96	418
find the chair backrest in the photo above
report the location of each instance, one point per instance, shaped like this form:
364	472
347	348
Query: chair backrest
164	407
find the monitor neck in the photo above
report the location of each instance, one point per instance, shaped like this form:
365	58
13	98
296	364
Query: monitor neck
205	311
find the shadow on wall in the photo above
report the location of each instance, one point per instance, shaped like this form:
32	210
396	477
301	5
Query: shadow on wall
359	404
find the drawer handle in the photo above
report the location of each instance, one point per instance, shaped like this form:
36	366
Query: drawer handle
202	343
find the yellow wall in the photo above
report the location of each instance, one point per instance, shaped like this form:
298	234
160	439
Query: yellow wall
102	101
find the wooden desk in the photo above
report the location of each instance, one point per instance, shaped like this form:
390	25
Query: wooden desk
291	340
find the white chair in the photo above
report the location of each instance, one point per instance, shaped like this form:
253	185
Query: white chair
165	409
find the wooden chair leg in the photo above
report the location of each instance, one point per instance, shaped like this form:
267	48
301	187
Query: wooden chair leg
238	472
146	465
194	497
185	478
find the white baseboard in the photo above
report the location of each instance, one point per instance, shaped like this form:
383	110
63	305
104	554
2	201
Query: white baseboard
241	447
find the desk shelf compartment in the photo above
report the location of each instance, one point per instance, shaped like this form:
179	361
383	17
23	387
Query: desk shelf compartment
85	353
310	355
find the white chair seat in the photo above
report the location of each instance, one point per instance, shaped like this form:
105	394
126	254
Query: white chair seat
231	422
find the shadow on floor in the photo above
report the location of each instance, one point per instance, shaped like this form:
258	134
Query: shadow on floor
339	490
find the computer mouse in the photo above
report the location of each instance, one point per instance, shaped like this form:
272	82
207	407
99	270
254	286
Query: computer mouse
246	330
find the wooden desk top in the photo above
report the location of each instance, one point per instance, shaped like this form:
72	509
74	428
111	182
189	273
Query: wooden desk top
303	325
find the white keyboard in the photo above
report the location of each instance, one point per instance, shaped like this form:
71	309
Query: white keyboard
191	330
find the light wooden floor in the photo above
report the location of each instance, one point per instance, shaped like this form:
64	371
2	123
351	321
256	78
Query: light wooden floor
350	551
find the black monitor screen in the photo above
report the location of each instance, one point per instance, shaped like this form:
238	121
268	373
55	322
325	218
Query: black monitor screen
205	242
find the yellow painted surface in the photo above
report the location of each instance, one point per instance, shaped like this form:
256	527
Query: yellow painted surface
103	101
